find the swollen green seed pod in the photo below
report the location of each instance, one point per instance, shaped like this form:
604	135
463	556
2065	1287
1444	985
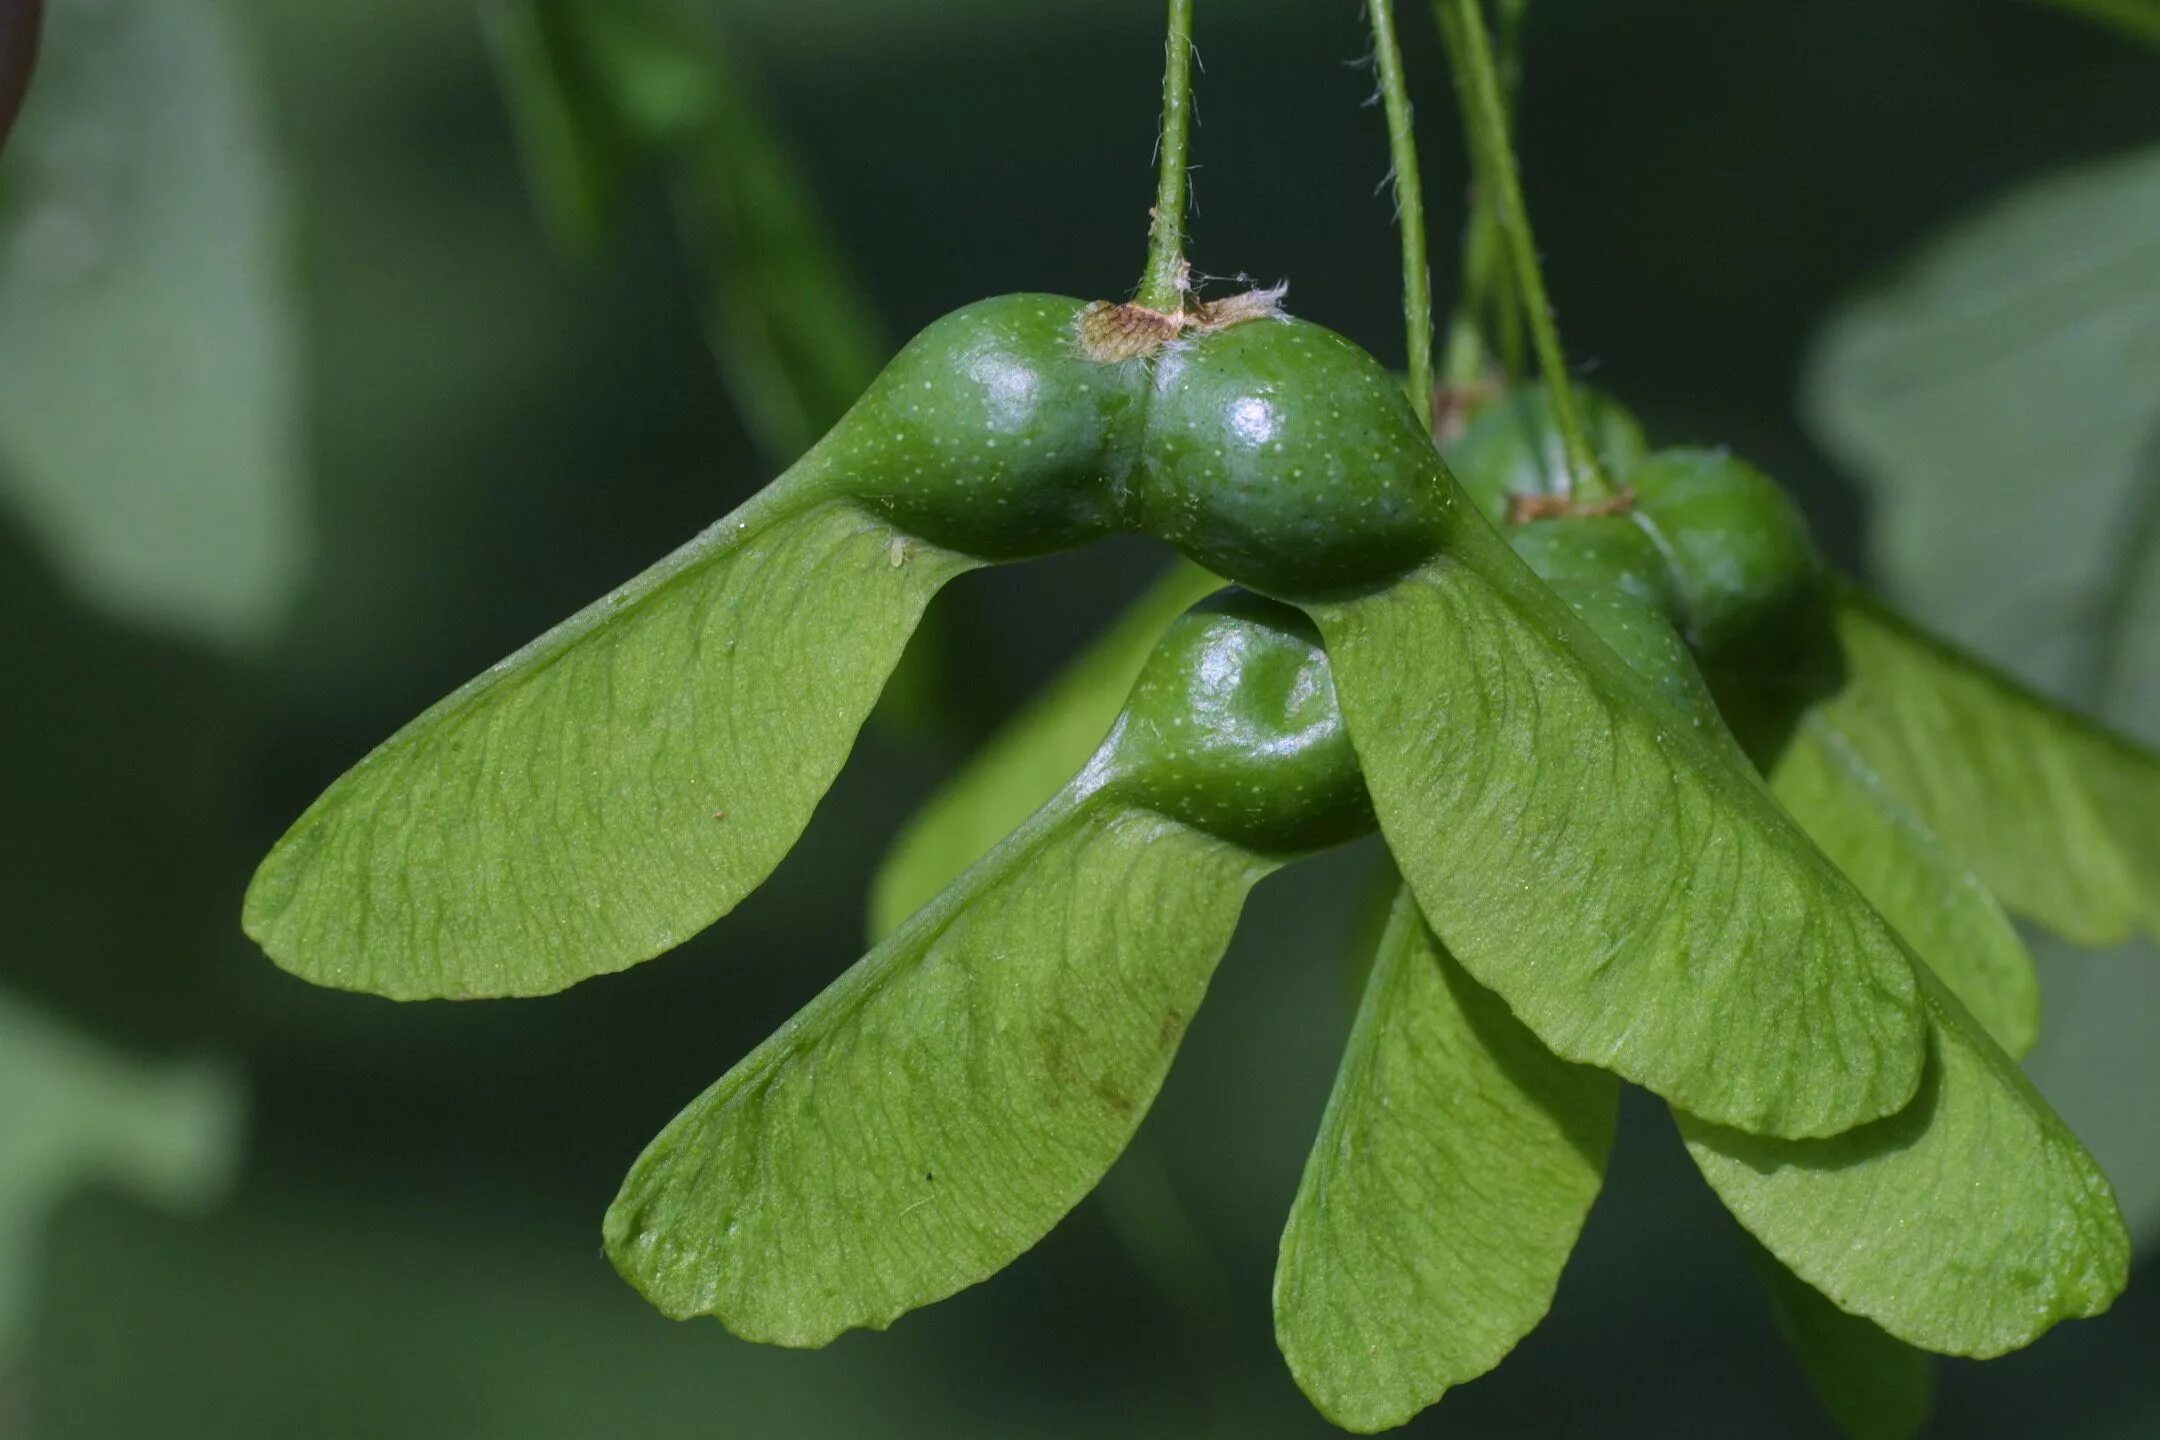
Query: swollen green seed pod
1271	450
1281	455
1699	546
1743	565
1513	450
991	433
1233	728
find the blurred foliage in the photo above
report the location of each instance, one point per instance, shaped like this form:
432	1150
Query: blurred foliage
149	424
2001	396
78	1111
149	495
603	94
2140	18
493	439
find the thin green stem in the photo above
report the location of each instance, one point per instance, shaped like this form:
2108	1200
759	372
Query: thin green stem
1486	328
1162	285
1469	343
1409	208
1507	304
1477	81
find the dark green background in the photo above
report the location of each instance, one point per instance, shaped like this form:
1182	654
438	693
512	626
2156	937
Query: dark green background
497	437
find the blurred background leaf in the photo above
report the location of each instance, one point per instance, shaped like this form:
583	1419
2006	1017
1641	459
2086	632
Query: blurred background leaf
2137	18
150	429
79	1112
2000	397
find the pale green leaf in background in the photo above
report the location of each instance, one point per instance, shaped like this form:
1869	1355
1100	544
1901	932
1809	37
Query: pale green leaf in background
1948	917
75	1112
1968	1224
618	784
1683	932
1996	396
1875	1386
150	418
942	1105
2000	397
1028	760
1452	1174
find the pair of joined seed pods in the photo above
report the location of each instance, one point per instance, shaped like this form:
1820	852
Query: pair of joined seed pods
1536	727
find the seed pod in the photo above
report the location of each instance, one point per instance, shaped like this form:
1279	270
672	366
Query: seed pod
1512	448
1281	455
1739	548
1233	728
991	434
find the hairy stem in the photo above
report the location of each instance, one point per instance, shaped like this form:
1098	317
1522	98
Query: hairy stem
1162	285
1409	208
1477	83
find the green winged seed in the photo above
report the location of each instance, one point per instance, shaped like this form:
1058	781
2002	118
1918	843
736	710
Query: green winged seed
1680	931
1452	1174
1028	760
1615	569
1683	932
624	780
629	777
933	1114
2059	817
617	785
1861	1372
1668	894
936	1110
1968	1224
